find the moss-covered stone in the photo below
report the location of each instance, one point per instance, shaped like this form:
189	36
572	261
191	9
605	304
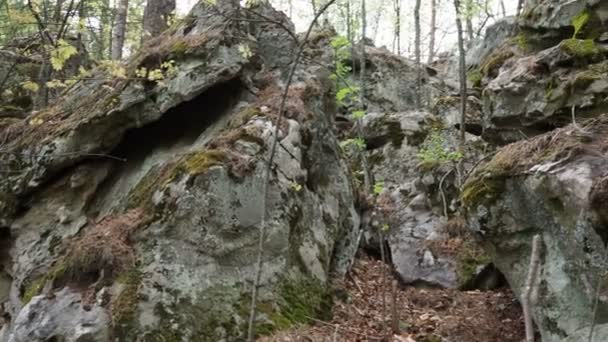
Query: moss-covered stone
301	300
580	48
470	257
34	288
475	77
192	164
522	41
494	61
592	73
480	190
124	305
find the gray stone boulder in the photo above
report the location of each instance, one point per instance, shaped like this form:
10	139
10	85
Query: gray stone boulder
140	202
553	185
413	163
534	80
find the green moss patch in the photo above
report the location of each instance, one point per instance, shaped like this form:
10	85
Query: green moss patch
124	305
470	257
475	77
580	48
192	164
493	62
34	288
488	181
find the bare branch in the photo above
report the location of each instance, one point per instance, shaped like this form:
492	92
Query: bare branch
529	287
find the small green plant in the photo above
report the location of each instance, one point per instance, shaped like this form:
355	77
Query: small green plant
295	186
378	187
434	150
61	53
358	142
358	114
579	21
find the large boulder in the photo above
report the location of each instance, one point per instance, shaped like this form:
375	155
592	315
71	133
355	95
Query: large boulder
134	206
553	185
551	69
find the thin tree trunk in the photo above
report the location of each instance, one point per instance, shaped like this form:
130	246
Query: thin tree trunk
397	29
469	21
119	31
463	76
503	8
417	52
156	17
377	19
366	170
520	6
433	31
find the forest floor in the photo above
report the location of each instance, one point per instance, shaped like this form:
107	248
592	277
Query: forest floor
425	314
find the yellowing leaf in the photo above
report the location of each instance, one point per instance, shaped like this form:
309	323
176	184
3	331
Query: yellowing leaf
61	54
53	84
31	86
36	122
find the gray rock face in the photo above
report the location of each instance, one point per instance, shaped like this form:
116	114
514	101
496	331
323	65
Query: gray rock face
539	14
410	206
532	81
553	185
147	206
63	318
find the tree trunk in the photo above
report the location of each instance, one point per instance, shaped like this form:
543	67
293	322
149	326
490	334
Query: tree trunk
463	76
417	52
156	17
376	24
367	176
397	32
520	6
503	9
433	31
469	21
119	30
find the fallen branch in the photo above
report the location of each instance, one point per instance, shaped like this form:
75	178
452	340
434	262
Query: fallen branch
346	330
395	322
529	287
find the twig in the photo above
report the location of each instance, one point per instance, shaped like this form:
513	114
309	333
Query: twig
383	286
445	204
530	283
394	309
345	330
259	262
335	338
355	282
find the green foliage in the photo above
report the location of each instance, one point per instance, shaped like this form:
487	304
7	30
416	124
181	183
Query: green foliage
378	187
434	150
358	114
346	93
357	142
579	21
61	53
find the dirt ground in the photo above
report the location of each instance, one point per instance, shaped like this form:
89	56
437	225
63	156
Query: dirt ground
425	315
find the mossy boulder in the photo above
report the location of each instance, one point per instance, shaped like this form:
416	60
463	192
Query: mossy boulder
547	185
